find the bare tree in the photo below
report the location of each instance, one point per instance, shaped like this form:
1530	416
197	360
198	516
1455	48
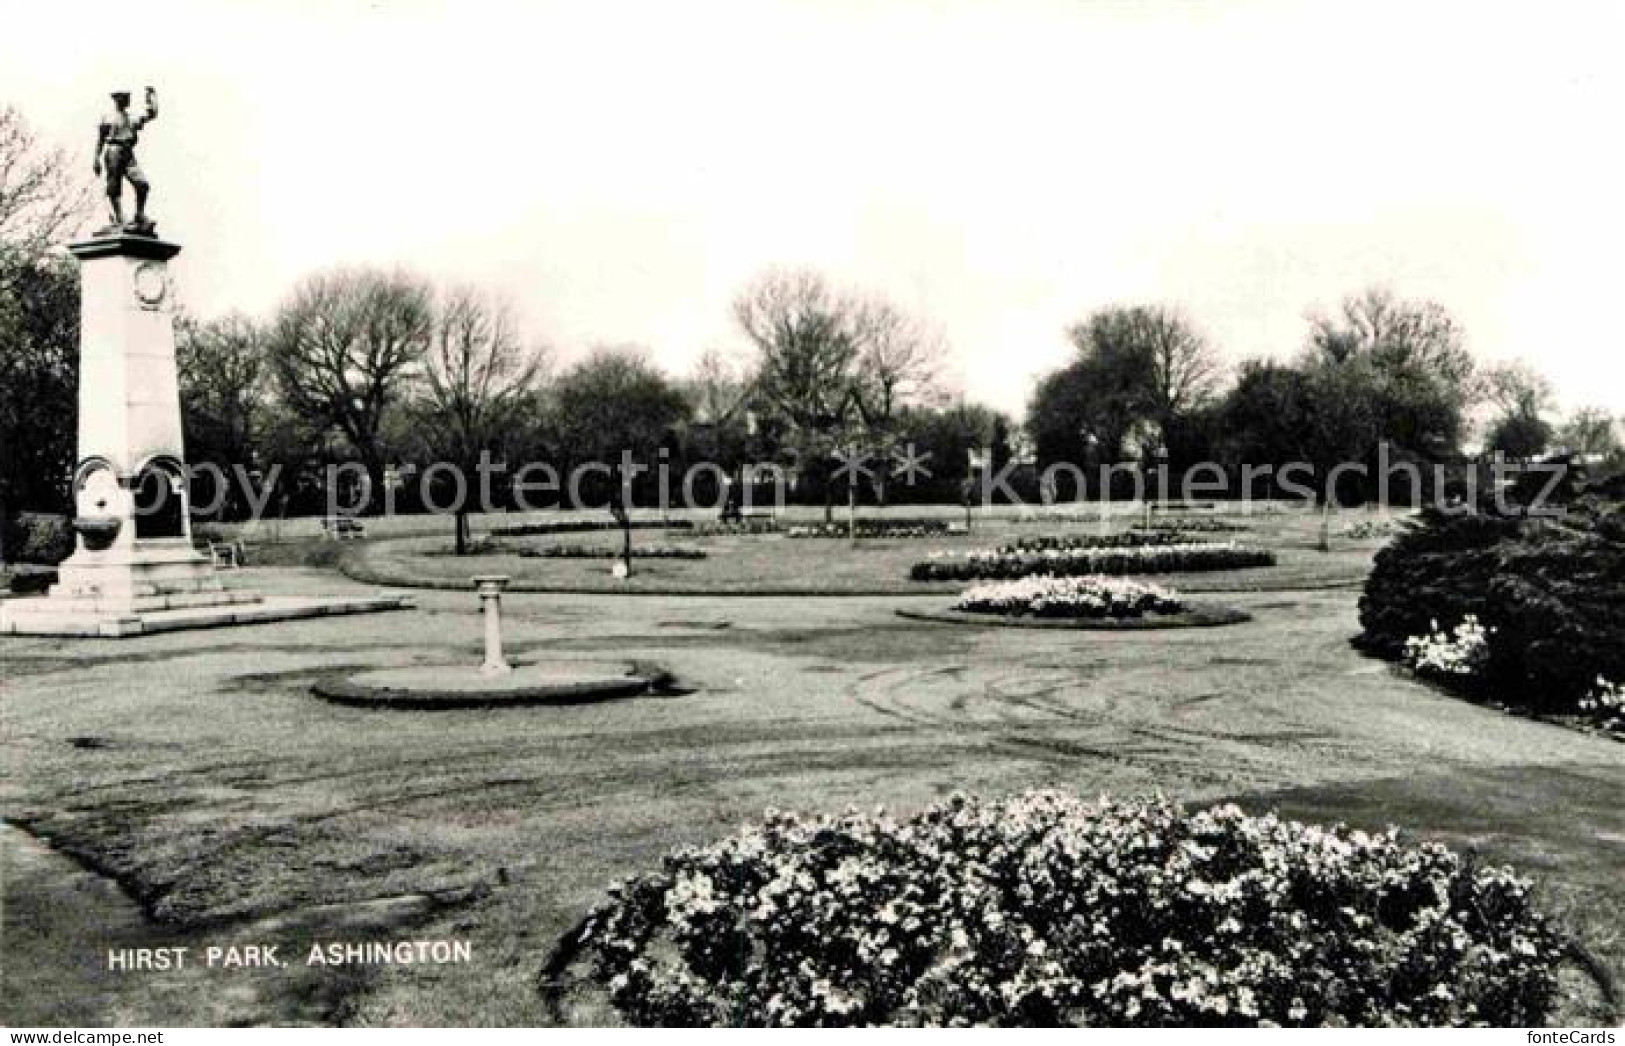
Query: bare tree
837	368
345	346
1421	377
478	379
1184	367
41	199
808	353
718	387
1397	334
225	377
804	332
1136	364
1517	389
1592	432
899	360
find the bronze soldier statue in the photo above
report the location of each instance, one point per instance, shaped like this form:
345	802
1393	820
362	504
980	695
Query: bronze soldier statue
115	154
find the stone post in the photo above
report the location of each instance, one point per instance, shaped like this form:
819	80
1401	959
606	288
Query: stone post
490	588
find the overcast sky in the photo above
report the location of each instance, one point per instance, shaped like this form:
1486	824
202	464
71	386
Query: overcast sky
621	169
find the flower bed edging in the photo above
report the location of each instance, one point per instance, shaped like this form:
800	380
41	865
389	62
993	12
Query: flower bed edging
597	552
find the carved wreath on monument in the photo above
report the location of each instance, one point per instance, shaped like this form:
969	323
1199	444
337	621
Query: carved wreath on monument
151	285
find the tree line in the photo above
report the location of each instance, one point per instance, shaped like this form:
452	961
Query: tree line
1145	385
386	371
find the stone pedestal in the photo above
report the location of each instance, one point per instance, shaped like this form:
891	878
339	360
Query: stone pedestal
134	552
490	588
134	570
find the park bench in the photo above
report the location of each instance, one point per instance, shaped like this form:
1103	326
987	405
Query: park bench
736	514
340	528
227	555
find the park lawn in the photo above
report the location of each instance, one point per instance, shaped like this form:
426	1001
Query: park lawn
777	564
198	769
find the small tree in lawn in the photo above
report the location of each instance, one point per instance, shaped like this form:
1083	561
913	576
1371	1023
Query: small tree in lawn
611	409
479	379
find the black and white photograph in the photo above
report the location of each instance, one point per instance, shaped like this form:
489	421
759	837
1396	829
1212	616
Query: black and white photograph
992	514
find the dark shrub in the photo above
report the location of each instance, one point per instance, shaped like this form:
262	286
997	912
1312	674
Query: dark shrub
1552	590
597	552
585	526
41	539
32	582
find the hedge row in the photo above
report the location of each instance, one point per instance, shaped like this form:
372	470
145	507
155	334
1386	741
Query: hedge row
585	526
600	552
1153	559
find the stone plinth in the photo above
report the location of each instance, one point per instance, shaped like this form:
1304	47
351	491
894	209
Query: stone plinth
56	617
134	553
434	687
134	570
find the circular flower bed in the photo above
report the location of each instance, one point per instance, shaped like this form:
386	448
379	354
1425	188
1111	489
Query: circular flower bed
1046	910
1069	597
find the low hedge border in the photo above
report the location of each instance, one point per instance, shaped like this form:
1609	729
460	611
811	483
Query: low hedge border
585	552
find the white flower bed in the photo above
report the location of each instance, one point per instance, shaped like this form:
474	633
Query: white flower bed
1363	529
1047	910
1069	597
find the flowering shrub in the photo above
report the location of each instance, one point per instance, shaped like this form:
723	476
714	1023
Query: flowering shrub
1461	652
601	552
1046	910
1361	530
735	527
1072	561
1074	597
1606	702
